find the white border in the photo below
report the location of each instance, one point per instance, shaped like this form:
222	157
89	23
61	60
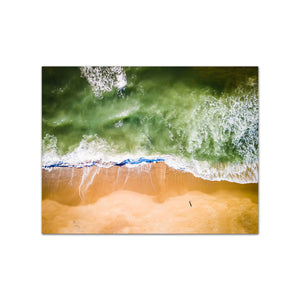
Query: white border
210	33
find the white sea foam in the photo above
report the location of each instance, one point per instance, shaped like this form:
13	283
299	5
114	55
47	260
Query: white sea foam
95	151
231	118
233	172
104	79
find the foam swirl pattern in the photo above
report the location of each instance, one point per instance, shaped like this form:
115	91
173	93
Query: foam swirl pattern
199	120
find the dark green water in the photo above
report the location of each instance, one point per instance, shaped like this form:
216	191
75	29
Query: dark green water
202	118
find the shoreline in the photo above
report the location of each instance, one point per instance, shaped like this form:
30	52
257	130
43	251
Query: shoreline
237	173
151	198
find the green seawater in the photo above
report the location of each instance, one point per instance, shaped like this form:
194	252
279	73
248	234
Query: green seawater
207	114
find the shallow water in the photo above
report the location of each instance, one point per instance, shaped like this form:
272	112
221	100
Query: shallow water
202	120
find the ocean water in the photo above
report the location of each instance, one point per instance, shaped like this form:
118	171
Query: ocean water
202	120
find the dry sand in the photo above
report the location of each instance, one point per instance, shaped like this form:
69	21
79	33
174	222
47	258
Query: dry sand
152	198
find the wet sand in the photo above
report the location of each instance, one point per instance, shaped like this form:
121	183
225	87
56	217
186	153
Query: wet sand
151	198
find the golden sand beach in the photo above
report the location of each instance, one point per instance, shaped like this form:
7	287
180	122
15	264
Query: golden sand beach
151	198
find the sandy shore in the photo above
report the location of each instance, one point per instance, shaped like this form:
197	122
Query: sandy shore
147	199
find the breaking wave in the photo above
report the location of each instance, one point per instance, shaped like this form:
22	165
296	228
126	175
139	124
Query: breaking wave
94	151
199	120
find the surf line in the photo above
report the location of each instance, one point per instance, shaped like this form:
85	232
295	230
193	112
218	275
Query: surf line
140	160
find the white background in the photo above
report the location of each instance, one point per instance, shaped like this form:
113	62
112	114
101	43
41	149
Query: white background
200	33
